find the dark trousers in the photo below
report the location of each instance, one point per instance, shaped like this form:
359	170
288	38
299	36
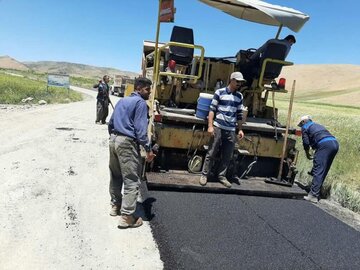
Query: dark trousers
323	158
223	140
102	110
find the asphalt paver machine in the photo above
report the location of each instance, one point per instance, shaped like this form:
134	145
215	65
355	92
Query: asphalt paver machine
183	76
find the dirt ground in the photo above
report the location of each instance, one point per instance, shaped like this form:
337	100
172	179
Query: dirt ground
54	193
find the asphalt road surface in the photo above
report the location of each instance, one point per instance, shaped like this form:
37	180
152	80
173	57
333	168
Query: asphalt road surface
217	231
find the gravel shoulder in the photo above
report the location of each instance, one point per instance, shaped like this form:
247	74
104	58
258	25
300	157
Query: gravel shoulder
55	203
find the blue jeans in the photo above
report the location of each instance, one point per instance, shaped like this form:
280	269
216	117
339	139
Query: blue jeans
323	158
223	140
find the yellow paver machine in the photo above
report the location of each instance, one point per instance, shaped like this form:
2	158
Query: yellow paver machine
184	80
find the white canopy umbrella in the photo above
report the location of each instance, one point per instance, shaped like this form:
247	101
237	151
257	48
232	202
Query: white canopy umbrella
261	12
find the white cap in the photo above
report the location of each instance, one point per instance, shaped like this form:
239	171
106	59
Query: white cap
304	118
237	76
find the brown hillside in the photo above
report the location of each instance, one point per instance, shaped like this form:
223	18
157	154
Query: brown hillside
74	69
7	62
334	84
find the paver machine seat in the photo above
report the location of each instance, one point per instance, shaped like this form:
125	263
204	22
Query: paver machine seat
274	51
181	55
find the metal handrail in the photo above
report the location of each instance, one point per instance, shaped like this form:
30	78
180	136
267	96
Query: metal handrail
178	75
271	60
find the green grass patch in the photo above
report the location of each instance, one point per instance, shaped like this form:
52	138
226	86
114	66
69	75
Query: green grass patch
325	94
28	84
342	182
83	82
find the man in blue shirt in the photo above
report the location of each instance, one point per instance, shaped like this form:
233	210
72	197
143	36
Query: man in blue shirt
223	120
128	130
326	147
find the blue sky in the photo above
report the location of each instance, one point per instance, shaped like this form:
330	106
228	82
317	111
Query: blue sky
110	33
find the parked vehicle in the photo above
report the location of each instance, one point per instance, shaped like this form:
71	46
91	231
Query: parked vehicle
119	85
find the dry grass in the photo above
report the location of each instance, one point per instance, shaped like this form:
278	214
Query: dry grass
335	84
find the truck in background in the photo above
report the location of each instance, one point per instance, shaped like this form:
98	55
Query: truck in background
119	85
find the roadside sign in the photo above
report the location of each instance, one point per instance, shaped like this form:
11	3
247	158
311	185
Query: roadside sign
61	80
167	11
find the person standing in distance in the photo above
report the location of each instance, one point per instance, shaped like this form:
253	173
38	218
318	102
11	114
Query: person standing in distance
224	118
326	147
128	130
102	101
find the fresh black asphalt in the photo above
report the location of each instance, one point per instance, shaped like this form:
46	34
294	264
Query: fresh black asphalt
218	231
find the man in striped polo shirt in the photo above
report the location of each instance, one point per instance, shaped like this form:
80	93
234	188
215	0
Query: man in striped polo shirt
224	116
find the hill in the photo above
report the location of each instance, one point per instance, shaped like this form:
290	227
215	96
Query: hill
77	70
7	62
334	84
330	83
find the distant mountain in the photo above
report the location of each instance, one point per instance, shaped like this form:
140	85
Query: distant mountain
10	63
74	69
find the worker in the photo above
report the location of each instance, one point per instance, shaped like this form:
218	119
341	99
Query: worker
253	66
288	41
102	100
128	130
224	118
326	147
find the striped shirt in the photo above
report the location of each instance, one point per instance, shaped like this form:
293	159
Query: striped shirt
227	107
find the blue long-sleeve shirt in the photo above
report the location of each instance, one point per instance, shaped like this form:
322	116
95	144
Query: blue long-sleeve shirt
313	134
130	119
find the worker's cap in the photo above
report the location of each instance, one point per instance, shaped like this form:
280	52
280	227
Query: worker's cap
237	76
290	37
303	119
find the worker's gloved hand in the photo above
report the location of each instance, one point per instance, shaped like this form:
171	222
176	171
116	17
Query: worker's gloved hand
309	157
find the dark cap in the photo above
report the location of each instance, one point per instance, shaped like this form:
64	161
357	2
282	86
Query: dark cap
290	37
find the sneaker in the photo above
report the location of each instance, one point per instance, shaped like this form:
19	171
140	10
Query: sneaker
98	122
129	222
311	198
203	180
224	181
115	210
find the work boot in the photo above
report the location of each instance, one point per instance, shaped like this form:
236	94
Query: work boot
224	181
311	198
129	222
115	210
203	180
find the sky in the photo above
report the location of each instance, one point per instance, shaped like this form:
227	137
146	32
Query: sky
110	33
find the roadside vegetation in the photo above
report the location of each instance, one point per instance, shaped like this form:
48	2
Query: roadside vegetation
18	85
83	82
343	182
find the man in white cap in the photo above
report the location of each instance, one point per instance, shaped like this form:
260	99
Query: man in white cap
326	147
224	119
